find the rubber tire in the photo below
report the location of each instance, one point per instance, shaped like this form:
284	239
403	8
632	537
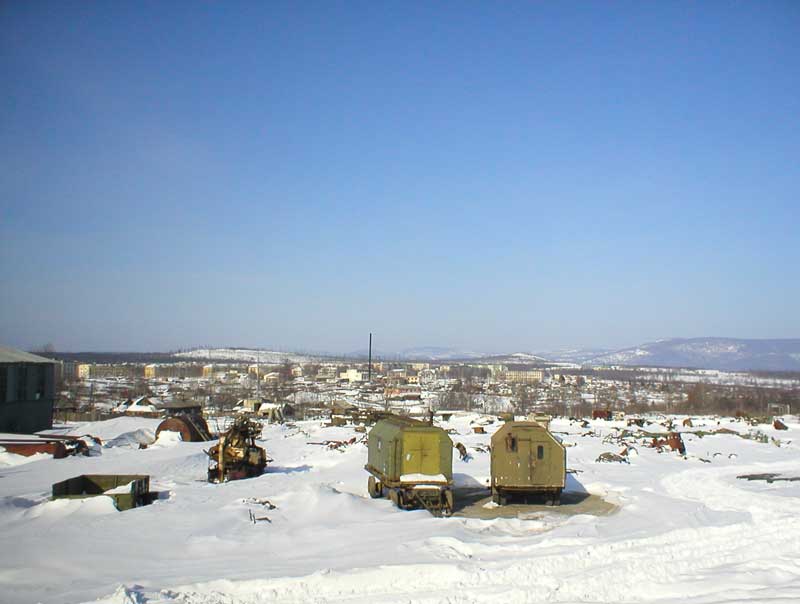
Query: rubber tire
373	487
393	497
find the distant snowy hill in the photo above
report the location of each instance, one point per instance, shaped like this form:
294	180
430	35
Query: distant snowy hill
729	354
726	354
573	355
520	358
243	355
435	353
422	353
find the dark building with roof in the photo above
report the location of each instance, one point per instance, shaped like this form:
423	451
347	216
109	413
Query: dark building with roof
27	386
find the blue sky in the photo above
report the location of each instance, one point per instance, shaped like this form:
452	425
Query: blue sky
485	176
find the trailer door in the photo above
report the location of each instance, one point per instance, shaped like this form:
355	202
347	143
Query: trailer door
540	453
419	457
527	458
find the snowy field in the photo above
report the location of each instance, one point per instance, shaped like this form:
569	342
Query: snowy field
676	528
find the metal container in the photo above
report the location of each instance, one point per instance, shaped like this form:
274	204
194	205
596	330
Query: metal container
127	490
527	460
411	462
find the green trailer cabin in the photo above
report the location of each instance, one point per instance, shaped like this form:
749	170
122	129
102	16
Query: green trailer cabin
527	459
127	490
411	462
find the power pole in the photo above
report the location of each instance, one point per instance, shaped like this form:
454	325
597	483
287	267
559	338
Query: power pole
258	377
369	364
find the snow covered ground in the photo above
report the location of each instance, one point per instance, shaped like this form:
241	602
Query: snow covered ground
685	529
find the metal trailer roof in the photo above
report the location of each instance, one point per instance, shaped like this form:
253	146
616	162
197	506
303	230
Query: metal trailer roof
12	355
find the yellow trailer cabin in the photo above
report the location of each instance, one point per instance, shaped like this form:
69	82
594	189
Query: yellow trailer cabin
526	459
411	462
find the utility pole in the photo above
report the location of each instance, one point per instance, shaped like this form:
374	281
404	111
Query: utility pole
258	377
369	364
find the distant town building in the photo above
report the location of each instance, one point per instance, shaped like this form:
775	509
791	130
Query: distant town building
352	375
326	372
143	405
522	376
426	376
272	378
27	386
70	370
110	370
172	370
402	393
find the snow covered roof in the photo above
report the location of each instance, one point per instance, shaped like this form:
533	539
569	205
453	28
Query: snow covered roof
12	355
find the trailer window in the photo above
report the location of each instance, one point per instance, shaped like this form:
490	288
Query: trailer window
540	452
511	443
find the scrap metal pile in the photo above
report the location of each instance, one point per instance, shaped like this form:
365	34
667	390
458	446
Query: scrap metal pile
337	445
59	446
236	455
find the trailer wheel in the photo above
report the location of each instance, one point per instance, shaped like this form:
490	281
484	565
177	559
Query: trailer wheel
553	499
394	497
374	487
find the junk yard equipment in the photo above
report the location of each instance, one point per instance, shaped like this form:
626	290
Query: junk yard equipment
127	490
527	460
412	461
236	455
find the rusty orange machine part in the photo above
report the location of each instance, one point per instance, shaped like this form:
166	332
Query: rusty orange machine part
27	448
673	440
191	428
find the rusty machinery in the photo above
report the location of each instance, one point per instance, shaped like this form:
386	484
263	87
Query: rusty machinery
236	455
192	428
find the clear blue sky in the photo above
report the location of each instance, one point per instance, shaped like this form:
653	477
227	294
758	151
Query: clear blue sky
486	176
